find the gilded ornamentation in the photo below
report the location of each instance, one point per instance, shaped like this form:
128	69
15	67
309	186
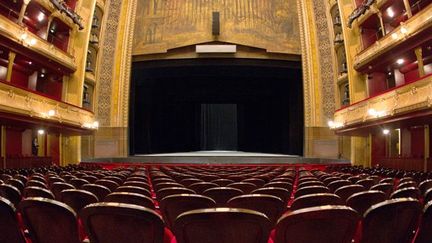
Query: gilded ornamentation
107	63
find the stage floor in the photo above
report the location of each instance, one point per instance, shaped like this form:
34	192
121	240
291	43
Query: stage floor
217	157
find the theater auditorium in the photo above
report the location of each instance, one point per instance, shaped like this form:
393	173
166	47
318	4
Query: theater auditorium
223	121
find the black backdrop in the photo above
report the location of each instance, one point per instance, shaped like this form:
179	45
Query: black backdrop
170	98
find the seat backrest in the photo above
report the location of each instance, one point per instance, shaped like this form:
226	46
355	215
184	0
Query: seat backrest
425	230
334	185
99	190
134	189
424	186
311	190
282	193
34	191
387	188
36	183
257	181
77	199
11	193
141	184
412	192
280	184
222	225
407	184
58	187
77	182
362	201
329	224
221	195
223	182
112	185
200	187
366	183
189	181
173	190
346	191
246	187
317	199
163	185
9	227
103	222
271	206
174	205
17	184
391	221
130	198
49	220
309	183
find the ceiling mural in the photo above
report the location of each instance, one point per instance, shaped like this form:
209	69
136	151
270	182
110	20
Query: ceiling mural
166	24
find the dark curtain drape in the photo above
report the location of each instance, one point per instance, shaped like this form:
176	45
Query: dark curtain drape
218	127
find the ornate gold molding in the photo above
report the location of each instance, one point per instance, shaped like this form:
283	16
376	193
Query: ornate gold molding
17	101
412	27
22	36
408	98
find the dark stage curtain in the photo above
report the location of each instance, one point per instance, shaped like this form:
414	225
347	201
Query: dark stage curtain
219	127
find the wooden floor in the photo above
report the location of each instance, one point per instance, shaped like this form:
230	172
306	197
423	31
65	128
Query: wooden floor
217	157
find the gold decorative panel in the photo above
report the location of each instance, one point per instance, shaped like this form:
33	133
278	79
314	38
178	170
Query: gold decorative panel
166	24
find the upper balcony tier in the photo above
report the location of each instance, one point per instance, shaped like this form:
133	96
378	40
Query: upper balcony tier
407	104
413	32
31	109
21	40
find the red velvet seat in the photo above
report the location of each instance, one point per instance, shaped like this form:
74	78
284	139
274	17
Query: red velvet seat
200	187
223	182
222	225
112	185
116	222
391	221
424	186
9	226
130	198
78	183
58	187
271	206
34	191
334	185
174	205
221	195
366	183
90	178
189	181
282	193
246	187
280	184
346	191
407	184
326	224
387	188
173	190
311	190
18	184
11	193
425	230
309	183
49	221
412	192
134	189
36	183
77	199
362	201
258	182
163	185
317	199
141	184
99	191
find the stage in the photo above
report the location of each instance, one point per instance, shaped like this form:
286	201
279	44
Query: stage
216	157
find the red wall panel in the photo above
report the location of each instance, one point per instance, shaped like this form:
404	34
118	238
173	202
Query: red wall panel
13	142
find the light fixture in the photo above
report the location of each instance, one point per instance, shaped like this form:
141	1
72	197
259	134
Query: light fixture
390	12
386	131
32	42
374	113
96	124
23	36
41	16
330	124
400	61
403	30
30	63
41	132
51	112
394	36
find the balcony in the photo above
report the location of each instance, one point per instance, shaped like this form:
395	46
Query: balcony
19	105
413	31
413	100
18	37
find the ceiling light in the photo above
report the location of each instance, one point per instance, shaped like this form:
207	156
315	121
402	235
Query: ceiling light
394	36
32	42
385	131
404	30
400	61
41	16
23	36
330	124
41	132
390	12
30	63
42	75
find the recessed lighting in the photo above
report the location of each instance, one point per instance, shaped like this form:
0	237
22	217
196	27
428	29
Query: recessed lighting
400	61
390	12
41	132
41	16
385	131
